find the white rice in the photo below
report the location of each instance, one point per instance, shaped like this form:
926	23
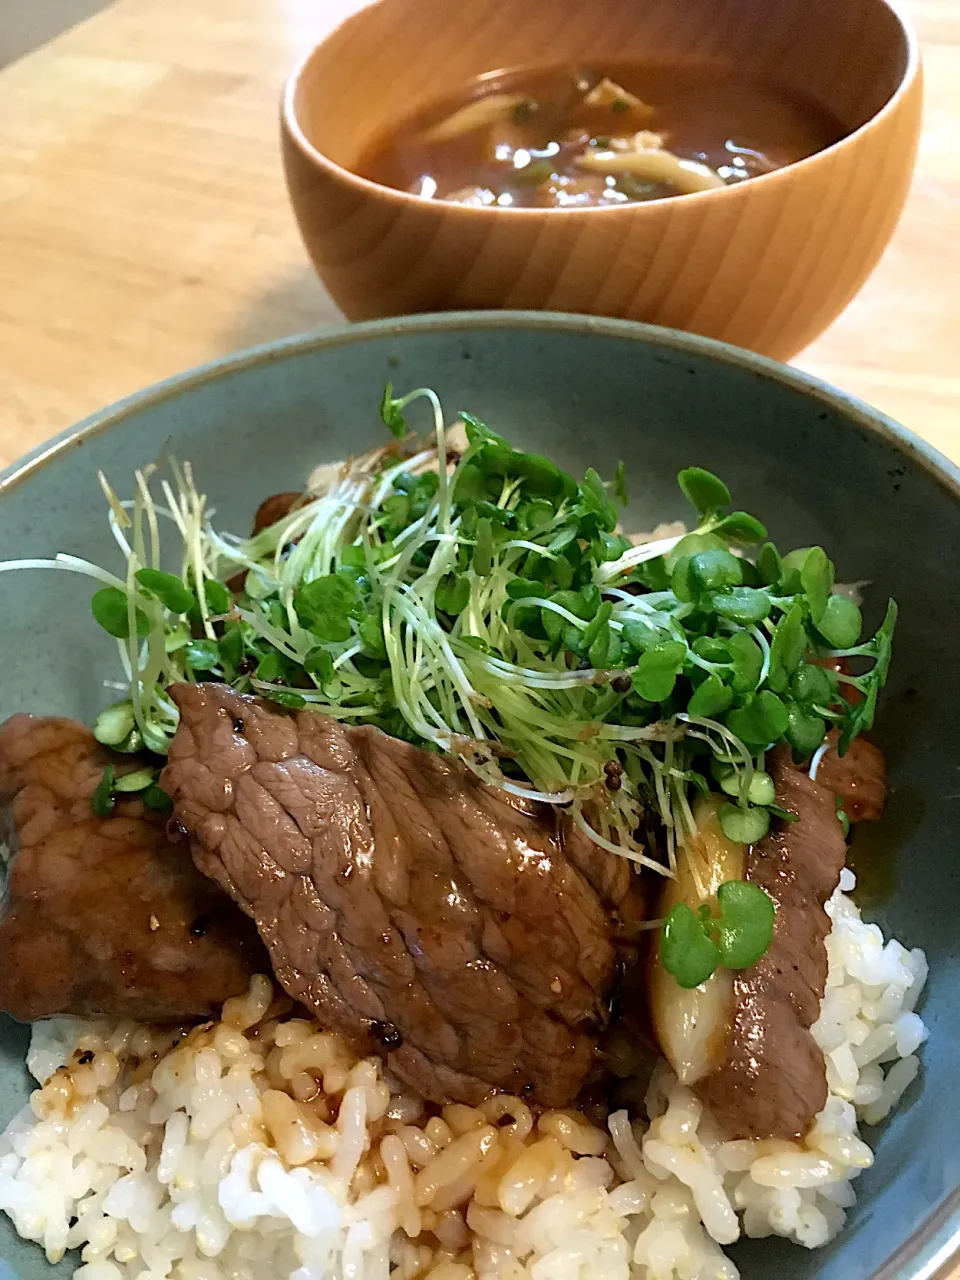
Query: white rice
259	1147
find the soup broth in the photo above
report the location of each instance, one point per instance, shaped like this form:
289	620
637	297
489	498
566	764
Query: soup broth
598	137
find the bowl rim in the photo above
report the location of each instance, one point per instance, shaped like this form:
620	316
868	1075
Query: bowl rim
291	127
930	1250
906	442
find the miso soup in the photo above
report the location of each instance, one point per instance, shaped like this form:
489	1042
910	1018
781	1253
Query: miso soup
598	137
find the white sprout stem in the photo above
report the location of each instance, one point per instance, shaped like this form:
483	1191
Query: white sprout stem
639	554
521	544
531	678
818	755
151	512
762	641
631	733
72	563
621	851
118	534
345	657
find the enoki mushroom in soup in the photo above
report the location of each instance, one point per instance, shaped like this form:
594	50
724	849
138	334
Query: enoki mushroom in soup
563	138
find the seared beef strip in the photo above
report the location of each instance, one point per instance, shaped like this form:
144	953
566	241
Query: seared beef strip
772	1081
104	915
858	778
273	509
466	936
269	512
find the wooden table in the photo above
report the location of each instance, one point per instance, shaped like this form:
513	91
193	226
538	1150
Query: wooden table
144	225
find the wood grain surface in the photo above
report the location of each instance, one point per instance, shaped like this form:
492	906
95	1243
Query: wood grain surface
144	225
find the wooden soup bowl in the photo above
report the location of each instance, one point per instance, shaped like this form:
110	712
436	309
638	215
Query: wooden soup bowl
767	264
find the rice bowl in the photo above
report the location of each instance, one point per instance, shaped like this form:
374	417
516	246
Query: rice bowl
851	1066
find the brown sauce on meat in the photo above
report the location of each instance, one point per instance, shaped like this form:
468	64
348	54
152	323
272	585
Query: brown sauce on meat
104	914
527	150
472	938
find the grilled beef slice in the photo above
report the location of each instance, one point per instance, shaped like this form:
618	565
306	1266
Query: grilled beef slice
104	915
772	1081
466	936
858	778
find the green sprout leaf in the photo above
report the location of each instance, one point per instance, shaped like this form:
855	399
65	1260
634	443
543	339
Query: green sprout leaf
609	546
176	637
319	663
203	655
640	634
540	476
138	780
746	659
712	648
805	730
170	590
683	581
114	724
657	669
605	648
816	578
231	646
768	564
520	589
217	597
742	604
811	685
326	605
471	485
692	543
840	623
787	648
620	483
102	801
743	826
685	950
760	791
740	527
109	607
746	923
600	619
271	667
703	490
844	820
391	413
761	721
694	944
453	593
711	698
371	636
652	574
597	500
483	550
156	798
285	699
714	570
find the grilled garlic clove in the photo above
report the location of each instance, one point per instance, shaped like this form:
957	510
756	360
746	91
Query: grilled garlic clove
692	1025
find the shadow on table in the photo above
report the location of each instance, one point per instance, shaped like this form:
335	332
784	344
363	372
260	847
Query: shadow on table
294	303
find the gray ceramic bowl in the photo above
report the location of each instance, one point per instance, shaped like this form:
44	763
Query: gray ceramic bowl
817	466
